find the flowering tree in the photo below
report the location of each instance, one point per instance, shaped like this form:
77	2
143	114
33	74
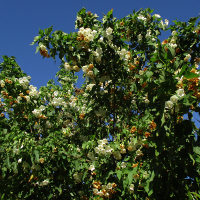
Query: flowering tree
122	134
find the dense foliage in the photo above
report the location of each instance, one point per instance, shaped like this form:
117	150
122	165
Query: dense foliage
127	133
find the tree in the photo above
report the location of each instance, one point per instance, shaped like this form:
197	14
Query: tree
126	133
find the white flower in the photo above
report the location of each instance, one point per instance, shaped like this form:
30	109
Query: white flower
94	32
76	68
20	160
139	152
45	182
169	104
108	150
131	187
91	168
141	17
24	81
123	165
166	22
174	33
85	68
37	112
139	37
103	142
148	33
173	45
100	39
90	86
180	93
42	47
2	83
58	101
79	19
174	99
67	66
28	99
109	31
157	16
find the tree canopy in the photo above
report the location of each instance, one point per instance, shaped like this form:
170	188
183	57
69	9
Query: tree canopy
127	133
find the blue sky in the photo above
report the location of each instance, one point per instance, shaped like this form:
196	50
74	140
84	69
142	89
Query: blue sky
20	21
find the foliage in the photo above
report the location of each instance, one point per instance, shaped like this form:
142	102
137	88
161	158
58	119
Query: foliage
126	133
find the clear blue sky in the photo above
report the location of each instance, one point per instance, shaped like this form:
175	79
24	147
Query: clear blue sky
20	21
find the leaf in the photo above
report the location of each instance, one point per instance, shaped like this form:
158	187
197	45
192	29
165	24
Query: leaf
192	20
149	74
37	49
36	152
196	150
147	189
156	153
8	162
163	119
130	177
190	75
119	174
193	161
110	14
171	52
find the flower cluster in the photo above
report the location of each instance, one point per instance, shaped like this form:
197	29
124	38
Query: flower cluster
38	112
24	81
103	148
88	70
86	34
174	99
106	191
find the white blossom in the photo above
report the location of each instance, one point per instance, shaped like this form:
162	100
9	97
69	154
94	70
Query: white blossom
180	93
24	81
91	168
109	31
90	86
67	66
44	183
157	16
141	17
169	104
174	99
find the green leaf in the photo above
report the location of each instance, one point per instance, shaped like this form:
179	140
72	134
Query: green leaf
196	150
163	119
110	14
119	174
190	75
156	153
130	177
36	152
37	49
192	20
147	189
193	161
171	52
